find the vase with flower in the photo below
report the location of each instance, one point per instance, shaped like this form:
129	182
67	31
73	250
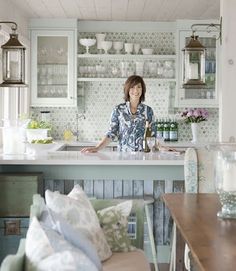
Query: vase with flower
194	116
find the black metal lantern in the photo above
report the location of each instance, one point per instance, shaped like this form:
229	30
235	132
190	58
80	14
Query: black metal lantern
13	61
194	64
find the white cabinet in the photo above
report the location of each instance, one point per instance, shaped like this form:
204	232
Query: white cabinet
53	65
198	97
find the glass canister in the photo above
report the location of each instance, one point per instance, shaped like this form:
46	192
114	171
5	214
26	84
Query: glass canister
225	179
14	136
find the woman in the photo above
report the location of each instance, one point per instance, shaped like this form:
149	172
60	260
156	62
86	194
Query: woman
128	119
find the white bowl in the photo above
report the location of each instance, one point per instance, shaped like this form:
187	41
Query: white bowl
37	148
147	51
32	134
118	45
106	45
87	42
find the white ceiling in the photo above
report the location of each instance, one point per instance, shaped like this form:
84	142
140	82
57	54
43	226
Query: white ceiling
121	10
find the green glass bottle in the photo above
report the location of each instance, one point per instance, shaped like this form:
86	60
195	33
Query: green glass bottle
166	130
173	130
159	128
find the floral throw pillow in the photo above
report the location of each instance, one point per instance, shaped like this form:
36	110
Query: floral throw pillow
46	250
114	222
77	210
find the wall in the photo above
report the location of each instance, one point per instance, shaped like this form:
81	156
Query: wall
101	97
228	71
8	12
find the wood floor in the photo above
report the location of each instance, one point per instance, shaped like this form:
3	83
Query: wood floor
161	266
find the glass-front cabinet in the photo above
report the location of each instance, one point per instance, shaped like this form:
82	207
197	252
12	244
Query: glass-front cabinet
53	78
204	96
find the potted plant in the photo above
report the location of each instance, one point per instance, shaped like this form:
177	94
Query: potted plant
194	116
37	130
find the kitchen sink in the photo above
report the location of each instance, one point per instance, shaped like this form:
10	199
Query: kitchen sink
69	147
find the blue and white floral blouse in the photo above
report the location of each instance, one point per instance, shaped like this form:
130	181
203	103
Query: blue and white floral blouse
129	128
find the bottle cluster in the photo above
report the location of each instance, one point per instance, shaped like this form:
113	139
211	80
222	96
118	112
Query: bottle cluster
167	129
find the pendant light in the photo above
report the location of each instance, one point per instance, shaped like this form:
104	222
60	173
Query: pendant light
13	60
194	63
194	56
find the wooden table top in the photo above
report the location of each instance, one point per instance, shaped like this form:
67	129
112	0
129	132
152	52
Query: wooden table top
211	240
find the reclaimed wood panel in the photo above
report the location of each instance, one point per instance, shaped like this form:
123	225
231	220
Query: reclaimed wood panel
59	186
68	186
118	188
138	188
160	216
108	189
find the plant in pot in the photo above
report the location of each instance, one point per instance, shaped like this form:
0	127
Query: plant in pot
37	130
194	116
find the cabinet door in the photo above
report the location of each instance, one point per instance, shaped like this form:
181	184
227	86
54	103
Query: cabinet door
199	97
53	77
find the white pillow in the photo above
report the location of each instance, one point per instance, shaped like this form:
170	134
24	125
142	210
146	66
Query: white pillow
78	211
66	260
43	247
37	246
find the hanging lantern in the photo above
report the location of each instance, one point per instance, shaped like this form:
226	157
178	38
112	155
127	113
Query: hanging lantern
13	61
194	64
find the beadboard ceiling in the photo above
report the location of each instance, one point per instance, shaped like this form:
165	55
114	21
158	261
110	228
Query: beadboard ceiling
121	10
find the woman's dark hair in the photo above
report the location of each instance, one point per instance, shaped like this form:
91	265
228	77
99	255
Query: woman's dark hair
132	81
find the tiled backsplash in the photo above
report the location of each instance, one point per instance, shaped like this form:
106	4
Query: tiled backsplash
101	97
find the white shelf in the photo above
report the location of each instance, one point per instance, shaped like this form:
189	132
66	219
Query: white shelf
126	56
103	79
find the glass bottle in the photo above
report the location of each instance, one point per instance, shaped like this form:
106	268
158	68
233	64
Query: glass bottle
173	130
166	130
159	128
147	133
68	134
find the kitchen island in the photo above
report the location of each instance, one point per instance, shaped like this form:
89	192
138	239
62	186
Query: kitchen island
109	174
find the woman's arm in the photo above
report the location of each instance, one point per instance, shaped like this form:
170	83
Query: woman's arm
102	144
114	127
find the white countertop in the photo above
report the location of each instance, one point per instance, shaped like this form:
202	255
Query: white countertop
103	157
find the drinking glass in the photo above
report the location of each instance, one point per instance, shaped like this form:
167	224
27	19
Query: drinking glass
159	141
151	141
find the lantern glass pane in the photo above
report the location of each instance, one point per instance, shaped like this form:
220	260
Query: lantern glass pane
13	65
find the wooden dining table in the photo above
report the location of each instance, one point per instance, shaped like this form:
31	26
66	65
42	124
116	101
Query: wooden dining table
212	241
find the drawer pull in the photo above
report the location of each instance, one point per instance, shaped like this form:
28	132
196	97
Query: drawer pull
12	227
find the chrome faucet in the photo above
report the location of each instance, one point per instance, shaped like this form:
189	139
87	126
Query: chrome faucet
77	125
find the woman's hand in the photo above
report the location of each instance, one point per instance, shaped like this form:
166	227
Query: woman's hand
90	149
104	142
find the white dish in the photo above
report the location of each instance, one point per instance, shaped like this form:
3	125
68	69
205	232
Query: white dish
37	148
147	51
32	134
87	43
106	45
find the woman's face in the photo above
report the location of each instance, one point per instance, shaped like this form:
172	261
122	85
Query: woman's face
135	92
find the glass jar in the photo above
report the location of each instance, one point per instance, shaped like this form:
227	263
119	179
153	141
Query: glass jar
225	179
